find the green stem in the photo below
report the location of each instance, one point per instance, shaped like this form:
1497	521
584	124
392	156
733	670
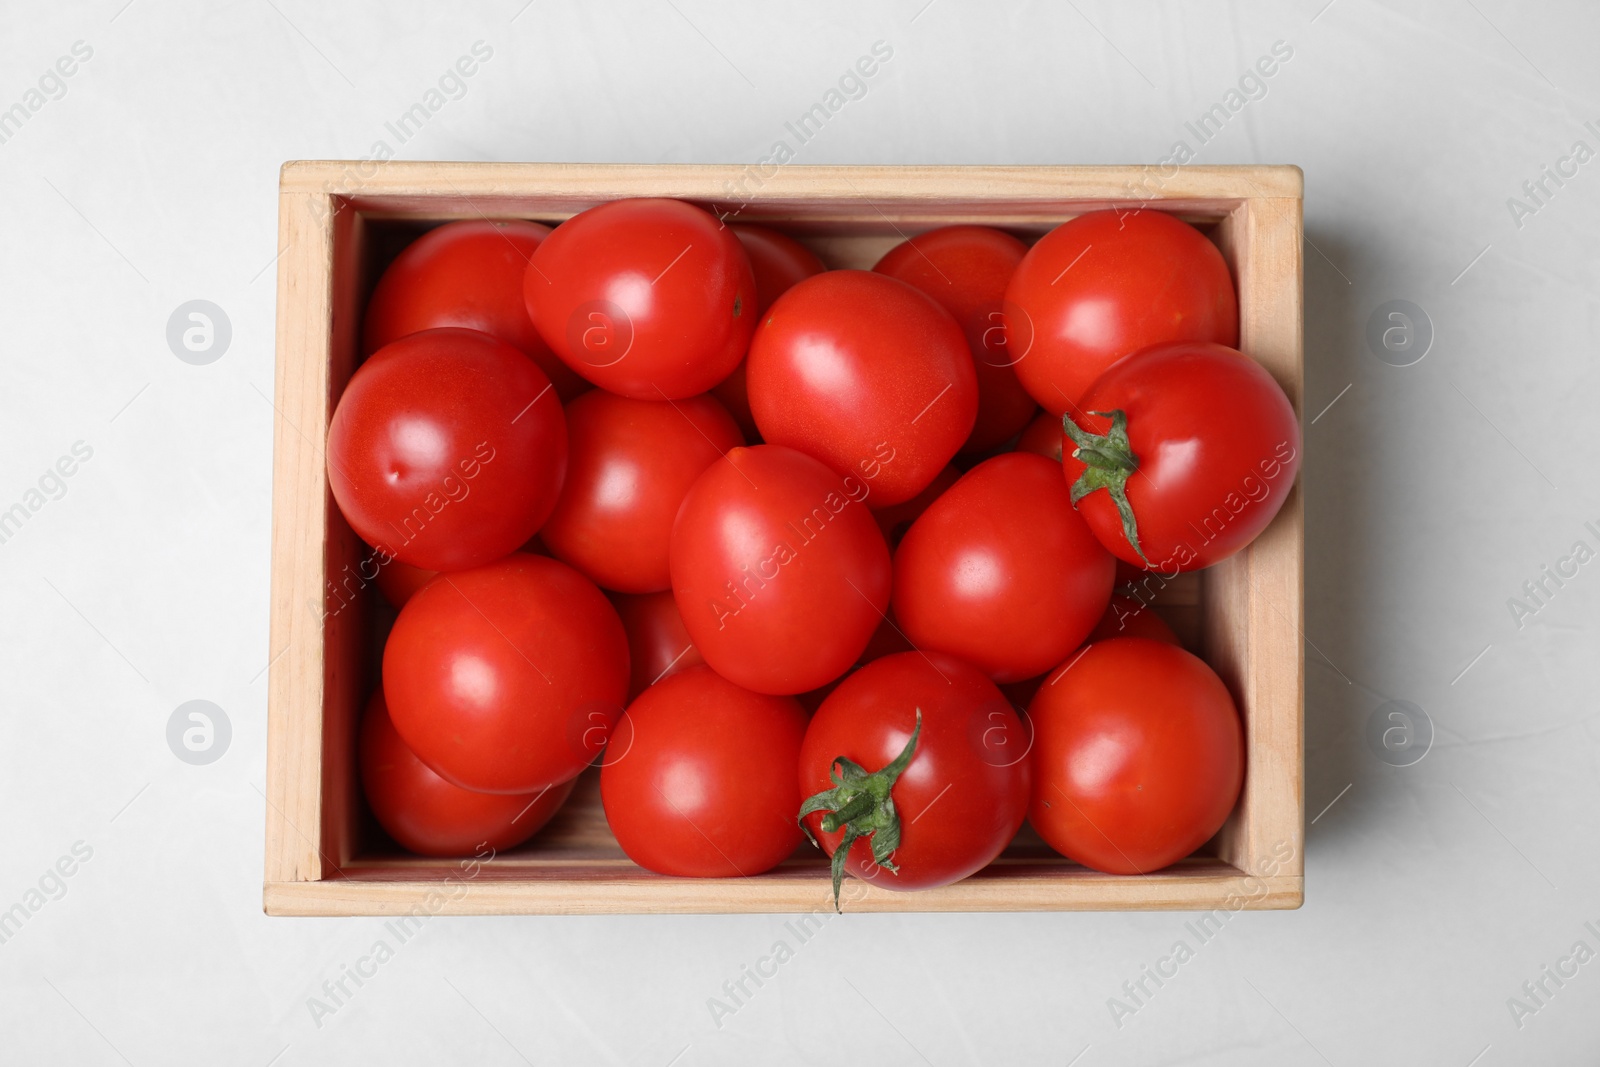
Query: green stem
1108	461
861	804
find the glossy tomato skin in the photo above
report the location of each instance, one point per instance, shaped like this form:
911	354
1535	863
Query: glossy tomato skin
867	374
699	782
1218	446
1138	756
1042	436
509	677
778	569
966	269
426	814
647	298
1001	571
1106	284
466	274
629	464
447	449
658	642
970	774
779	262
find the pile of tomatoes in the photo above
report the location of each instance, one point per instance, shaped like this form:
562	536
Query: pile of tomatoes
794	552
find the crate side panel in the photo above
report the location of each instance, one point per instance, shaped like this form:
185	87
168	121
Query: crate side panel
1253	603
296	677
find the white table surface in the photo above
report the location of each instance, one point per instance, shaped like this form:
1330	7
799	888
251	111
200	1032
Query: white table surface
1433	492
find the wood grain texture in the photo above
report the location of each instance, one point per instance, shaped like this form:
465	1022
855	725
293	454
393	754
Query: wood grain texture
587	890
300	513
1252	604
1245	613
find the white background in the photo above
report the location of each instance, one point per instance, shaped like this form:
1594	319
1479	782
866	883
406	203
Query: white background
1433	493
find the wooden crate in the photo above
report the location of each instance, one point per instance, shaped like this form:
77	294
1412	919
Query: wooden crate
339	222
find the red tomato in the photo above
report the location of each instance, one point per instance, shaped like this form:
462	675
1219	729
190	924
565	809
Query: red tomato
629	464
868	375
1105	285
1042	436
896	519
1199	453
398	581
779	262
699	782
466	274
447	449
1127	616
949	769
428	815
966	269
507	678
647	298
1001	571
1138	756
778	568
658	642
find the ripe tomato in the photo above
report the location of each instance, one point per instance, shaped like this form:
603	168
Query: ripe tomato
447	449
966	269
645	298
466	274
426	814
1138	756
1128	616
778	568
929	763
896	519
1001	571
1105	285
1196	452
779	262
658	642
1042	436
507	678
699	781
629	464
868	375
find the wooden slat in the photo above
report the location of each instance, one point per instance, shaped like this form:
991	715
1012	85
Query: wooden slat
299	525
804	191
1253	603
608	890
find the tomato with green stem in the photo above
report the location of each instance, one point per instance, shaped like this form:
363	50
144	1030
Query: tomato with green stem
916	772
1181	455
